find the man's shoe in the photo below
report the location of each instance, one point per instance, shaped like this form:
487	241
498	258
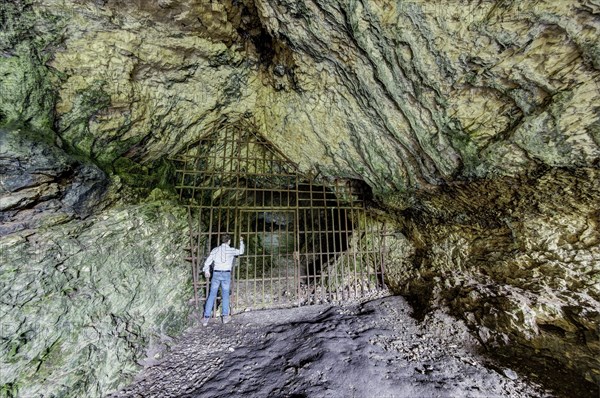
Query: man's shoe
205	321
226	319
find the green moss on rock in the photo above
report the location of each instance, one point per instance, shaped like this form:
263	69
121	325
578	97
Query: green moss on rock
27	94
74	127
26	83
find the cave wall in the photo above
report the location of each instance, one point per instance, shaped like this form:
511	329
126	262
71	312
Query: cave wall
414	94
92	278
83	303
475	123
516	258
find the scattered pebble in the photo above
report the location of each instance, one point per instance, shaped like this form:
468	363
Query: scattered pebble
510	374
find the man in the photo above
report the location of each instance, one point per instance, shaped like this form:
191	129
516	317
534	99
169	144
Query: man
223	257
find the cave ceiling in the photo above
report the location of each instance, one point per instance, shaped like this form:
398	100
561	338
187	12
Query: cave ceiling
402	95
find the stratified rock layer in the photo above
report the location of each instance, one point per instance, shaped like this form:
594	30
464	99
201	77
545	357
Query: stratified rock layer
41	184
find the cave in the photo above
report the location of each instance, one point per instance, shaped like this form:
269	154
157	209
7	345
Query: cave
417	183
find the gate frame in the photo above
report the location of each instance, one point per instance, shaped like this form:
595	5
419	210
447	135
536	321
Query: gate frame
197	183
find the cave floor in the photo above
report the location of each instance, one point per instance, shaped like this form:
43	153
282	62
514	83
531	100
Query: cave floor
372	349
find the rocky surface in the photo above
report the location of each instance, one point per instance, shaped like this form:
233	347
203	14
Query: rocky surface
409	94
84	300
373	349
401	95
40	184
475	124
517	259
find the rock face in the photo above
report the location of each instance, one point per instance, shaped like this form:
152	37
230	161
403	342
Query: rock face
84	301
41	183
476	125
402	95
517	259
411	94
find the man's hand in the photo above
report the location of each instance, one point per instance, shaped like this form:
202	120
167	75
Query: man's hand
207	274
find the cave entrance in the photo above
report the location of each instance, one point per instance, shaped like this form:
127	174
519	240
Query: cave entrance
308	240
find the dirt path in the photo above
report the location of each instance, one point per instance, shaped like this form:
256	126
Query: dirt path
373	349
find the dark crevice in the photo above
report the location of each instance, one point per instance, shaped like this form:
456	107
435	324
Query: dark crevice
252	29
552	329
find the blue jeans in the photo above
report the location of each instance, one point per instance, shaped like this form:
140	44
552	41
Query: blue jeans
222	279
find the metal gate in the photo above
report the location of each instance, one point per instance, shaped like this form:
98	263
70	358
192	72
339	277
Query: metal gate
308	240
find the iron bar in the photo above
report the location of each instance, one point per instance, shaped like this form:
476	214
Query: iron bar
322	263
350	262
194	260
262	263
341	249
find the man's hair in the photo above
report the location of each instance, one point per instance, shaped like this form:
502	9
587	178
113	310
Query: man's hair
225	238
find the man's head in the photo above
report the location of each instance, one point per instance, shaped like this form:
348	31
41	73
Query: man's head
225	238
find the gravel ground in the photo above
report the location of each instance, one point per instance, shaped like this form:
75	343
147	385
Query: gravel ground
373	349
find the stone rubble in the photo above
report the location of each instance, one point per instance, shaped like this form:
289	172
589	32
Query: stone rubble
373	349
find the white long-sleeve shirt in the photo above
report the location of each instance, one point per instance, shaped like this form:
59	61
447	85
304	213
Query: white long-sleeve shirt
223	257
